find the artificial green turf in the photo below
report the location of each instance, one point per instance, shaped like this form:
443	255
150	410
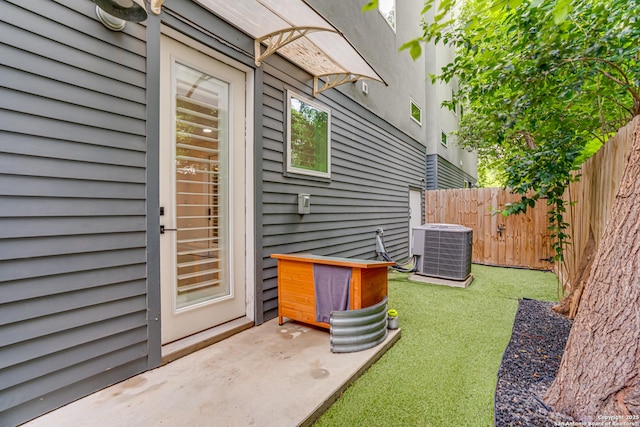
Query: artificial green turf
443	370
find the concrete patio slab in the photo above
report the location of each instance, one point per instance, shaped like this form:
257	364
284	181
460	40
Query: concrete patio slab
269	375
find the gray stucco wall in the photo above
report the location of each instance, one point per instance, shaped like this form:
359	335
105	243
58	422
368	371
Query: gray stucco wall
379	44
73	309
408	79
440	119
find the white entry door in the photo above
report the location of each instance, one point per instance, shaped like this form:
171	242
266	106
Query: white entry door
202	191
415	214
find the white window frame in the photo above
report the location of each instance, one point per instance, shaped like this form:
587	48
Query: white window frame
413	103
384	14
289	167
454	92
443	138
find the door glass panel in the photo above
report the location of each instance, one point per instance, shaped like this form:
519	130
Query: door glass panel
201	170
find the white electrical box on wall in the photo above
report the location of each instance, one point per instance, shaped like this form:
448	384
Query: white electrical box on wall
304	203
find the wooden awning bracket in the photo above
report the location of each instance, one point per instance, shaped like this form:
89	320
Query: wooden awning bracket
277	39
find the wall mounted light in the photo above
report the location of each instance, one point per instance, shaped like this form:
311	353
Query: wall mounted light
114	14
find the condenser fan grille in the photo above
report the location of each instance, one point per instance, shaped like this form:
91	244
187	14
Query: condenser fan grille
444	250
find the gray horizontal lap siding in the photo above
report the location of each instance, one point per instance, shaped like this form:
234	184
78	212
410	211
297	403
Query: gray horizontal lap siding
432	171
372	167
72	205
442	174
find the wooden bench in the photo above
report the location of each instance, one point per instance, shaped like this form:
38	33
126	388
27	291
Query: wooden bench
296	292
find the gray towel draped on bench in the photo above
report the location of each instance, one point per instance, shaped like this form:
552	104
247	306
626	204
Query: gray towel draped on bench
331	284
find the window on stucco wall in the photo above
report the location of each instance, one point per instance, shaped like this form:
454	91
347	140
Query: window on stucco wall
388	9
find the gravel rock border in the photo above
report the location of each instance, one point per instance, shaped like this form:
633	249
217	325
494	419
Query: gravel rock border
529	366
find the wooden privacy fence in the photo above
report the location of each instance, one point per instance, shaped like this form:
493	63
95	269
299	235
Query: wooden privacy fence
513	241
594	195
524	240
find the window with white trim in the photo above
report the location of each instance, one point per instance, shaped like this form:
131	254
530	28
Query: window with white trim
415	111
454	97
308	137
387	9
443	138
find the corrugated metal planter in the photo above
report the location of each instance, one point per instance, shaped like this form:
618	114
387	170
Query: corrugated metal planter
357	330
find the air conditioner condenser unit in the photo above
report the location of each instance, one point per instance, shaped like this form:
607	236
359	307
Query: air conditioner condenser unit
443	250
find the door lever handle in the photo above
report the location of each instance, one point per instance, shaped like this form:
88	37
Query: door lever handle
163	229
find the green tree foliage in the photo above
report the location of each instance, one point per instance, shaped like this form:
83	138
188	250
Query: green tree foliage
309	137
539	80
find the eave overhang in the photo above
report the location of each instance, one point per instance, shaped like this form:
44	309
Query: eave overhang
297	32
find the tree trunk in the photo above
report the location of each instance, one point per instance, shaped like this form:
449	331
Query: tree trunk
569	304
600	370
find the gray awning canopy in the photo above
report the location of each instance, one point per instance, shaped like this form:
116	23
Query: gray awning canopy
297	32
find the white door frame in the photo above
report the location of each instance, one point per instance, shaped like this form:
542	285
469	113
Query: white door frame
415	201
249	192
